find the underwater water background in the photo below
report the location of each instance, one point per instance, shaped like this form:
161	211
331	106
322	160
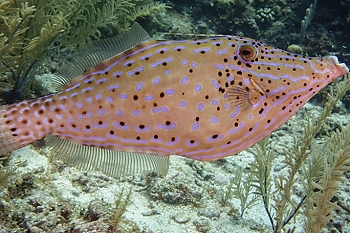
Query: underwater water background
52	197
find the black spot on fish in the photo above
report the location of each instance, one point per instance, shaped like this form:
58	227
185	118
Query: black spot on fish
222	90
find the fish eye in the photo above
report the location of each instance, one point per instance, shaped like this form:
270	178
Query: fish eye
247	52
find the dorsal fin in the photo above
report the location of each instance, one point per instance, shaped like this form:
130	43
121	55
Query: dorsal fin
98	51
110	162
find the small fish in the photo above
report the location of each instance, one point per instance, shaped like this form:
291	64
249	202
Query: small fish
202	99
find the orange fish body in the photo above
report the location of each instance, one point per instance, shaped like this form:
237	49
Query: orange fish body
203	99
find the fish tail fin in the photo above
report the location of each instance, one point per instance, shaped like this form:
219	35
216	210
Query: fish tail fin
22	123
8	139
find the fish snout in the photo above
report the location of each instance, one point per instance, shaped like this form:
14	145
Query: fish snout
337	69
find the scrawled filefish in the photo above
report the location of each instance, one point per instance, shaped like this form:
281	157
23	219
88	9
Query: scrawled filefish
202	99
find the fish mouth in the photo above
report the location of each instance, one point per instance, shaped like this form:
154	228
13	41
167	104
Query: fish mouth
338	68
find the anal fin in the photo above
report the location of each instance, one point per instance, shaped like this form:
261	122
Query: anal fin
110	162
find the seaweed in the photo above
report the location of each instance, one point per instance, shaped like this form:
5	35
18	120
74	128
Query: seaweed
243	191
29	30
5	173
32	30
141	9
324	173
122	201
317	167
226	195
241	188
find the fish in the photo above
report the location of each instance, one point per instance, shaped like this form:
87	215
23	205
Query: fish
123	105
